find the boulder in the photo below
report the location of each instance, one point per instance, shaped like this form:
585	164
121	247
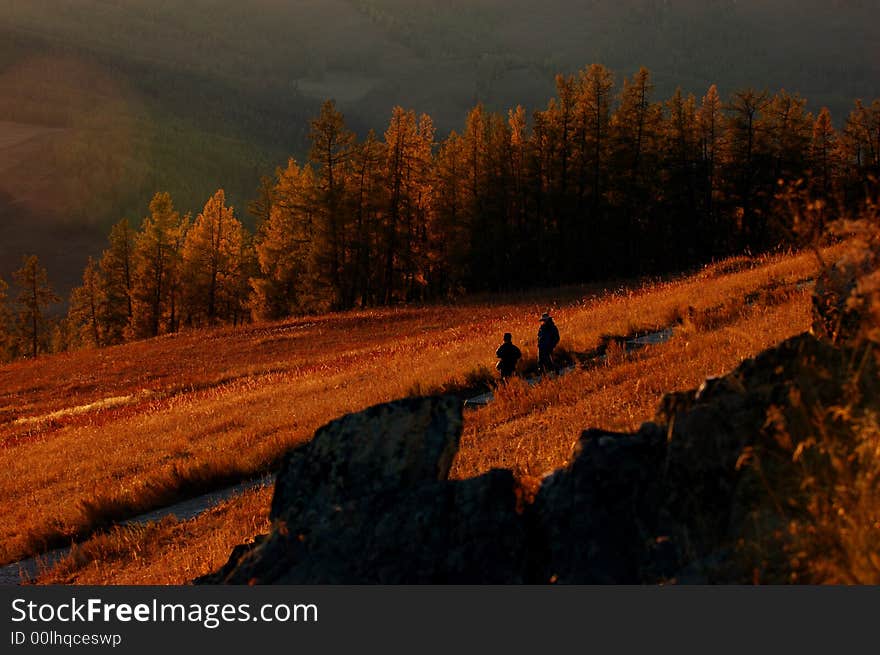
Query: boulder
593	522
381	451
368	501
671	501
730	433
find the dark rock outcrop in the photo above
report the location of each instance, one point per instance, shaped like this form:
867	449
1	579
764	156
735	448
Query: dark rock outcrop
594	522
368	501
678	494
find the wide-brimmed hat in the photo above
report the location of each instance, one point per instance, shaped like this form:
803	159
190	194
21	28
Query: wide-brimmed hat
545	317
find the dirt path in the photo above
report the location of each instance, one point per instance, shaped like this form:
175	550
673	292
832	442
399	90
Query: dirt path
25	570
631	344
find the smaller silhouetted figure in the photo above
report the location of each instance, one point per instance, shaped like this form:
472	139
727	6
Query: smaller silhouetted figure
508	355
548	339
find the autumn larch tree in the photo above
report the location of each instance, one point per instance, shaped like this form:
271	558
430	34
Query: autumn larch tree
710	118
408	144
746	157
6	324
861	147
788	127
787	130
35	296
499	251
366	202
594	111
519	139
117	271
211	261
261	206
156	260
283	285
562	116
84	314
679	221
824	156
451	215
635	127
331	150
420	189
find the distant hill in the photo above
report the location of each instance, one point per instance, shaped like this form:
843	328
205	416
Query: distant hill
188	97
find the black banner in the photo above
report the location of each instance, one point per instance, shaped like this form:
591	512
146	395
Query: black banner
437	619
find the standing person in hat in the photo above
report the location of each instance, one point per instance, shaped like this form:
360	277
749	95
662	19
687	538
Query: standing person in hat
548	339
508	355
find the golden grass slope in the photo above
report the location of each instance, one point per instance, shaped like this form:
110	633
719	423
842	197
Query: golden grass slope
529	429
212	406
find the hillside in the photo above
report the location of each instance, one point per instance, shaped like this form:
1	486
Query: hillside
158	96
96	436
382	48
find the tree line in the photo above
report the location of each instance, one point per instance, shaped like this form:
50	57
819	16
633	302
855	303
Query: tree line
603	182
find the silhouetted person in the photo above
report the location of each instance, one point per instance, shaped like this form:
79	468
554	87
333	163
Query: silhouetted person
548	339
508	355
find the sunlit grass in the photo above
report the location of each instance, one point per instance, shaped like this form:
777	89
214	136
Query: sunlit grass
168	551
531	430
215	406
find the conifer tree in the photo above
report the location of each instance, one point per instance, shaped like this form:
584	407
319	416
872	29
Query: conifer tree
679	219
788	129
681	133
710	118
7	334
499	248
211	260
237	293
402	150
117	268
636	125
824	155
331	151
175	274
595	99
861	147
84	314
451	214
561	116
540	162
636	129
519	139
420	192
35	296
474	181
366	201
746	161
261	206
283	247
156	263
